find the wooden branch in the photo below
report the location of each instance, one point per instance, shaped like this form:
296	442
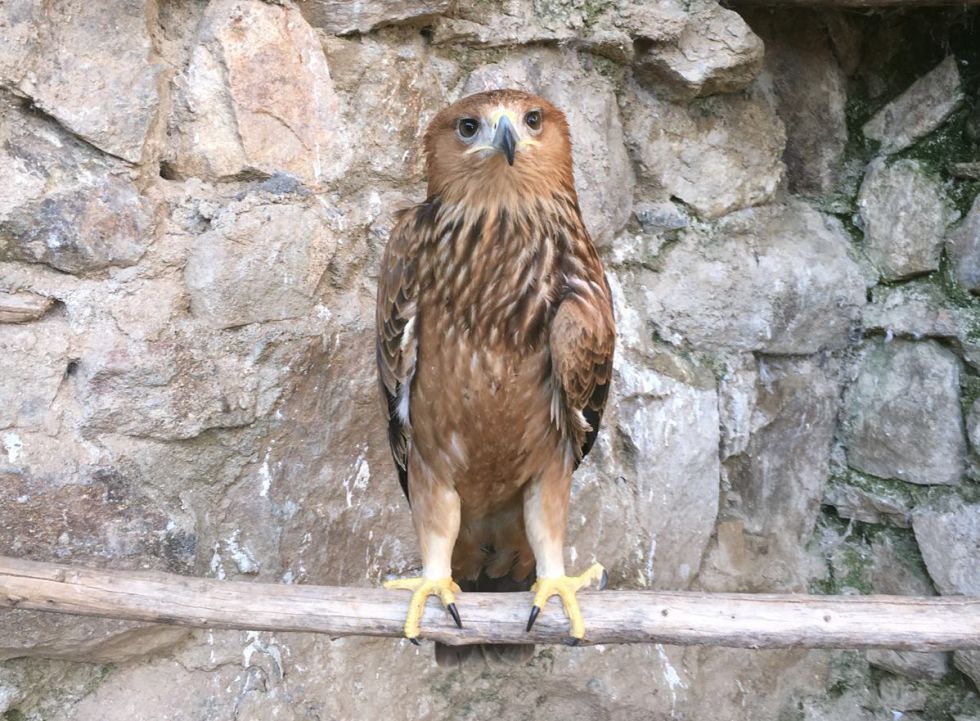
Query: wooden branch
684	618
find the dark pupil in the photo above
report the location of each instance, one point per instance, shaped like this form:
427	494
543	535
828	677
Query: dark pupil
467	127
533	119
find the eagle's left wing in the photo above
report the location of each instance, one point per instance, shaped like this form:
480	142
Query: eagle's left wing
582	339
396	342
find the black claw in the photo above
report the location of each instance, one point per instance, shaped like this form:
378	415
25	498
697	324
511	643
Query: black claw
535	610
604	581
455	614
572	641
415	641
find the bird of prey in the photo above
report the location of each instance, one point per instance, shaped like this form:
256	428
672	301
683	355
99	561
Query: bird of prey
495	339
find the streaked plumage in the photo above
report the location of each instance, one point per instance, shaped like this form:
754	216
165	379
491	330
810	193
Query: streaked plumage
494	343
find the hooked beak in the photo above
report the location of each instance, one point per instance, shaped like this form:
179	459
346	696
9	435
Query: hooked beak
505	138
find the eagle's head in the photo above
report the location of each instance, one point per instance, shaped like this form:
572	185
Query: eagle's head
498	144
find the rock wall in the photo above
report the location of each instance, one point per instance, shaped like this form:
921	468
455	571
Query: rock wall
195	199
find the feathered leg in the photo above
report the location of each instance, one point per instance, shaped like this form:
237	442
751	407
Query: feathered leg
546	516
435	514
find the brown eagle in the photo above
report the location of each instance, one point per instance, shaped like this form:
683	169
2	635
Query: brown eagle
495	339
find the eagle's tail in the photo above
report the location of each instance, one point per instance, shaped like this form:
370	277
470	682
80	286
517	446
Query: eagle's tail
489	653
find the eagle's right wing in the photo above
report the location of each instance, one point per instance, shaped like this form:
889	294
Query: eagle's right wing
396	341
583	337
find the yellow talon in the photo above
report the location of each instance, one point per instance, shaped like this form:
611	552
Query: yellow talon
565	587
421	588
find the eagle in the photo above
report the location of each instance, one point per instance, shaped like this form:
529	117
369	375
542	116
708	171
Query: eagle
495	337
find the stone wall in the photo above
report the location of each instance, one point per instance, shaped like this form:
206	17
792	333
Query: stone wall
194	202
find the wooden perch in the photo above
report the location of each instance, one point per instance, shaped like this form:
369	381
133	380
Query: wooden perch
684	618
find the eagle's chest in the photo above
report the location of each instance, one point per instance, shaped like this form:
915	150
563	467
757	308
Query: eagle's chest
482	389
493	287
481	412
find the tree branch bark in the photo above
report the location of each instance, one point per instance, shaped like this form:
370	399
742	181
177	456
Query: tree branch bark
682	618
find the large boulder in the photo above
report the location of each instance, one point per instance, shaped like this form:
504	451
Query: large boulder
776	279
949	538
902	414
716	154
963	249
257	98
904	214
918	111
809	88
66	205
777	481
261	260
89	66
716	52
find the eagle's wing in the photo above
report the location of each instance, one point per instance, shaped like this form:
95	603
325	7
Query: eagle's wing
396	343
582	339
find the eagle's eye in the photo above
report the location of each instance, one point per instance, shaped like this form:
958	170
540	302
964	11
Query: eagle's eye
467	127
533	119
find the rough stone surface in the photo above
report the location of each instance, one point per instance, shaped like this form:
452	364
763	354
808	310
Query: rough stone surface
257	97
716	52
903	417
911	664
260	260
895	566
522	22
35	364
29	634
950	544
66	205
969	663
258	675
777	279
737	396
973	425
963	249
775	484
404	84
676	460
717	154
904	216
340	17
88	66
868	506
810	92
916	309
900	695
967	170
919	110
79	230
23	307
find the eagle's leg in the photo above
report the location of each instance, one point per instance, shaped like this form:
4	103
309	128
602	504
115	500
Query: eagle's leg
545	517
435	513
565	588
